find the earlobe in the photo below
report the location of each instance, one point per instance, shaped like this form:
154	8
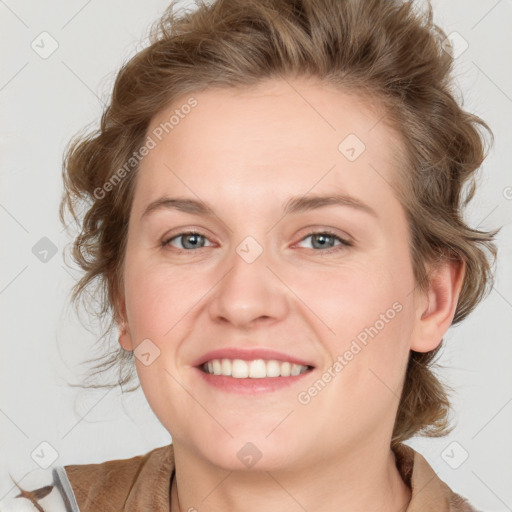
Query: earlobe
125	339
436	307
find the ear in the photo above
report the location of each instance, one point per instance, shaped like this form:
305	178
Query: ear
435	308
125	338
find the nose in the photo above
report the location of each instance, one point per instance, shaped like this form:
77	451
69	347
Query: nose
249	294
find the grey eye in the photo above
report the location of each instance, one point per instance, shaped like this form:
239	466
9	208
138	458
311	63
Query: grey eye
189	241
323	240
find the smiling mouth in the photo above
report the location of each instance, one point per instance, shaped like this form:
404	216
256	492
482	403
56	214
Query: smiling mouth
253	369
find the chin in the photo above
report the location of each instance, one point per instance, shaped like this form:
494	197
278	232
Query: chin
252	453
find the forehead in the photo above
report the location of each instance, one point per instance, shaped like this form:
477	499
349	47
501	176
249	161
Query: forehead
297	134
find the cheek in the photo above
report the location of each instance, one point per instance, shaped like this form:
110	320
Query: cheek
369	310
357	295
157	297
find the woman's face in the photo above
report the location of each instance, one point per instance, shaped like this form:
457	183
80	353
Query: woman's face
260	273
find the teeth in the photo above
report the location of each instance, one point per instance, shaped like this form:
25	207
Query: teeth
217	369
225	367
239	368
256	369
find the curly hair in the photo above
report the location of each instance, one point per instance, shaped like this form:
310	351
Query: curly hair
385	51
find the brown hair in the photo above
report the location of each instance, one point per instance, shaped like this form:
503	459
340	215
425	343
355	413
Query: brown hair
383	50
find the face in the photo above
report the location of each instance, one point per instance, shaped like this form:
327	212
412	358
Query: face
326	283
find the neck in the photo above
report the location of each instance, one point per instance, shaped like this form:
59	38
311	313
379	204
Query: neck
342	483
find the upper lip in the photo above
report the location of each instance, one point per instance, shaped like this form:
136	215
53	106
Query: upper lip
249	354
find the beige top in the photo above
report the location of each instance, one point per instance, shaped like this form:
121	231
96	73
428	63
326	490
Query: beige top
143	483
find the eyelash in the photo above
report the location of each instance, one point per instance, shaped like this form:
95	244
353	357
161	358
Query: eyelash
344	244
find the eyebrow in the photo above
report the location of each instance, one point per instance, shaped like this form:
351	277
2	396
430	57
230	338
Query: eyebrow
312	202
294	205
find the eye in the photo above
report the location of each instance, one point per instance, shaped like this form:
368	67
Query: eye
325	241
189	240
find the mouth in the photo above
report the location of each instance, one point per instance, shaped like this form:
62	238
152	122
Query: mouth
253	369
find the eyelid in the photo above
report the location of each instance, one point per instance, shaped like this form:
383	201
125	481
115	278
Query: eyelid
166	240
345	242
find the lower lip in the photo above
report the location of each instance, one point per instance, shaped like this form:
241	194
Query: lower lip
250	386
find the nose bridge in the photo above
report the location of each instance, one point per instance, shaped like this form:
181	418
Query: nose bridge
248	291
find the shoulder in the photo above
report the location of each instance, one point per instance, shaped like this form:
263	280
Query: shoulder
104	486
428	492
45	490
107	485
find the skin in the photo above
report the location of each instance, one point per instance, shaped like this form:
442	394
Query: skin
245	153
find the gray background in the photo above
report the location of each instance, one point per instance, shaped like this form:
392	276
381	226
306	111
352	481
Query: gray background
45	101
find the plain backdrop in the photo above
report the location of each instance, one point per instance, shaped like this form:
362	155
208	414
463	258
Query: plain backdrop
46	99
